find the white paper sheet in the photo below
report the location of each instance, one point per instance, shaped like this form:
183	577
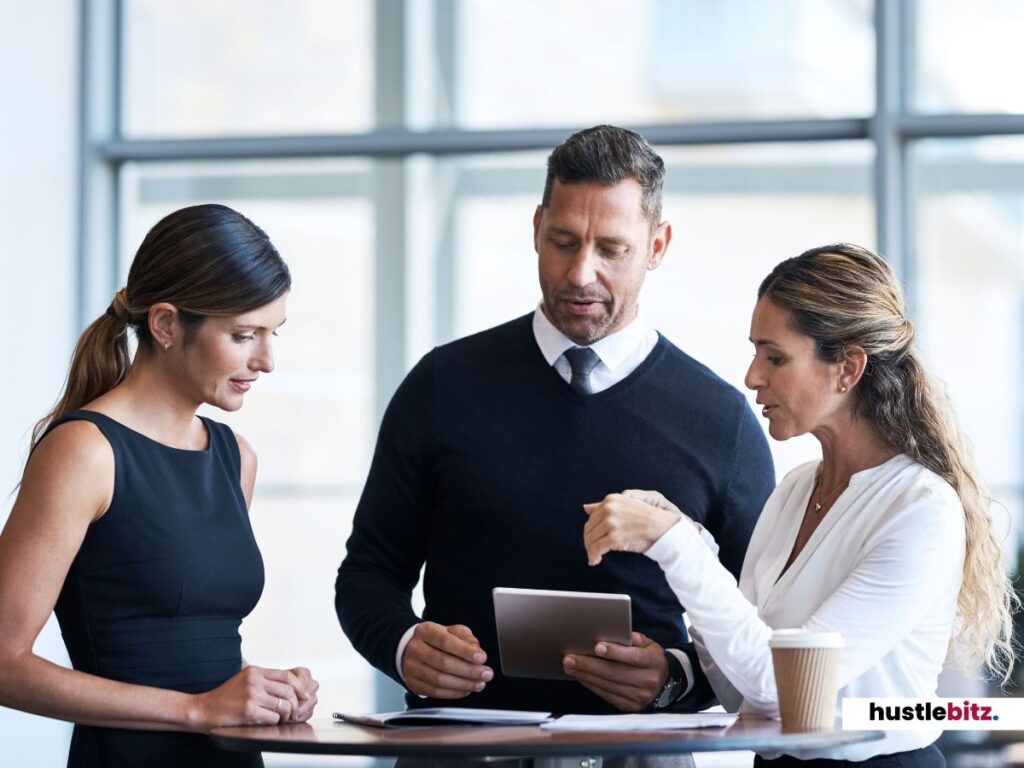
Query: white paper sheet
655	722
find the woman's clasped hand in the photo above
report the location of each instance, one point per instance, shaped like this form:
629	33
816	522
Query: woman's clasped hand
258	696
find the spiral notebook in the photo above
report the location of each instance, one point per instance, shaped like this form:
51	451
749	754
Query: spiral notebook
446	716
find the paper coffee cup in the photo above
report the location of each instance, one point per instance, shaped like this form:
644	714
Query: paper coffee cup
807	677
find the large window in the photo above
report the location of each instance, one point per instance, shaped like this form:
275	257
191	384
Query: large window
967	55
394	151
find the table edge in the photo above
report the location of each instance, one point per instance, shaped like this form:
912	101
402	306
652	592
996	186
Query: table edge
609	747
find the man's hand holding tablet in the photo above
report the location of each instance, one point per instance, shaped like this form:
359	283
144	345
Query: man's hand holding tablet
626	676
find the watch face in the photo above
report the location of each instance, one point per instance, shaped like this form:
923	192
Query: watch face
668	693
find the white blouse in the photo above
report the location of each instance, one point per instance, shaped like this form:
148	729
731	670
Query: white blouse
883	568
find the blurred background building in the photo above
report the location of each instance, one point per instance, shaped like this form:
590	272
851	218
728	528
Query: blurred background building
394	151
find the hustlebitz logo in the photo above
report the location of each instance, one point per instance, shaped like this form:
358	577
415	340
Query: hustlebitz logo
928	714
924	711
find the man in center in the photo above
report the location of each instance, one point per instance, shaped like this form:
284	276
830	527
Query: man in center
493	444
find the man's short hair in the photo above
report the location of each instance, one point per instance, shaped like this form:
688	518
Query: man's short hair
607	155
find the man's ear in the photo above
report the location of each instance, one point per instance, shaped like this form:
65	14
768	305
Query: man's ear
537	214
659	245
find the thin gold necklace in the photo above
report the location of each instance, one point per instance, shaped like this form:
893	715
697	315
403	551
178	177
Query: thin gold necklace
821	502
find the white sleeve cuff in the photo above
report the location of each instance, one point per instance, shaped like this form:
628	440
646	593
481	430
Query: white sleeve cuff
684	662
705	534
679	537
401	650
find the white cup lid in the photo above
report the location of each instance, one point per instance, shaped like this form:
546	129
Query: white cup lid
800	638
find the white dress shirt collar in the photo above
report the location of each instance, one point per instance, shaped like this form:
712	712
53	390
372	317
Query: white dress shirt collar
614	349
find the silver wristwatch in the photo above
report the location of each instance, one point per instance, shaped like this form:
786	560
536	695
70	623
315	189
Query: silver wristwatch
674	684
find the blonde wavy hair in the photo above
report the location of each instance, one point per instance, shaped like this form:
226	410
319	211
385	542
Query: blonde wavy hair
845	296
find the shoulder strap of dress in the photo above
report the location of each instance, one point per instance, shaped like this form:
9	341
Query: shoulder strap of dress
102	424
223	440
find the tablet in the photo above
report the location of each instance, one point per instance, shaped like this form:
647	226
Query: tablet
537	627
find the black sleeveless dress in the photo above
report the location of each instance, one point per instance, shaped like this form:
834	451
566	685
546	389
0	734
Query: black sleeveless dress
159	589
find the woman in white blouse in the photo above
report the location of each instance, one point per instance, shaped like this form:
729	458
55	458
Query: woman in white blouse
887	539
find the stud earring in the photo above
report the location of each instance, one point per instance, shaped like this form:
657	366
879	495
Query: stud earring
167	345
842	389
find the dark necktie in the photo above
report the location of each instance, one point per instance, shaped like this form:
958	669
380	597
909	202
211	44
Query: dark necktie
582	361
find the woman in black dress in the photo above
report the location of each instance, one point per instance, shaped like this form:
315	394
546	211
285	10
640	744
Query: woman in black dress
132	522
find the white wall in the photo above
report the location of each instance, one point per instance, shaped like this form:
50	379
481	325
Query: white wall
38	194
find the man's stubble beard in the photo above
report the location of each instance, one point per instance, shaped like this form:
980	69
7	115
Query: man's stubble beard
593	332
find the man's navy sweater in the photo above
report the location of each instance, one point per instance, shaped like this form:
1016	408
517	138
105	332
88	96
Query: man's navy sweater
484	460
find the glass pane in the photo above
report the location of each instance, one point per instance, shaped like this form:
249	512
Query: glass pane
736	212
240	67
311	420
969	56
580	62
294	623
970	305
495	211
